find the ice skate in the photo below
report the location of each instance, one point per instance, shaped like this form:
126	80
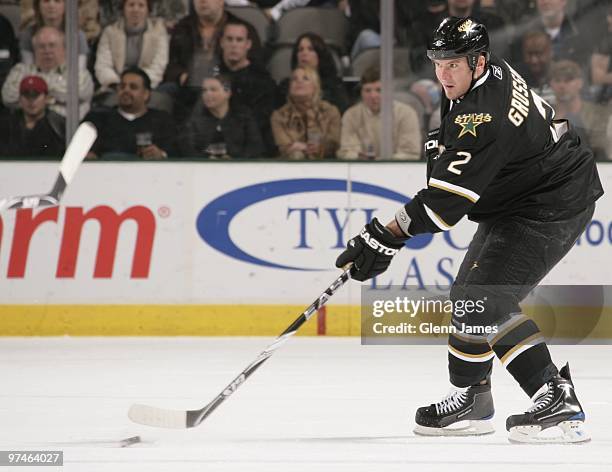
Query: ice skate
555	417
464	412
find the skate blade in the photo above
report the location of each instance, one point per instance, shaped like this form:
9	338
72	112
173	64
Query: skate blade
461	428
571	432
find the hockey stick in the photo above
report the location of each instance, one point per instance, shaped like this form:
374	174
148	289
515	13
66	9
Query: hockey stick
79	146
162	418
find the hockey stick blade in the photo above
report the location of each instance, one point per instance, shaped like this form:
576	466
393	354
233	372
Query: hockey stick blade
79	146
28	201
181	419
158	417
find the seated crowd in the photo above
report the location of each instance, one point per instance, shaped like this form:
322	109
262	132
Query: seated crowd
189	78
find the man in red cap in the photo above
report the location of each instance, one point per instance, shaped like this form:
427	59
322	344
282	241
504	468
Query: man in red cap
32	130
50	64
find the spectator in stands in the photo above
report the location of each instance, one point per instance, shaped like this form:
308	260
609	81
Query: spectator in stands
50	64
567	41
426	23
9	49
463	8
246	3
535	66
590	18
601	64
252	85
135	40
49	13
306	127
437	10
221	129
171	11
195	54
512	11
133	129
310	50
590	120
364	24
88	17
33	130
360	138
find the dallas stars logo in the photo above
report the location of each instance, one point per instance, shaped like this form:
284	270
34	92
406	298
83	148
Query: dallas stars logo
470	122
466	26
468	126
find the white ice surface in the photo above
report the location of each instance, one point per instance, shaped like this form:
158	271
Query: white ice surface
319	404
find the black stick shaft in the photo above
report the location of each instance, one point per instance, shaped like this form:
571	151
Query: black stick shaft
196	417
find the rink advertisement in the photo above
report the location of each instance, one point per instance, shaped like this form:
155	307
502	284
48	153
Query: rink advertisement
221	248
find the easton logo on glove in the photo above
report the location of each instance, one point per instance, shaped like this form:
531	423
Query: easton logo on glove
370	251
377	245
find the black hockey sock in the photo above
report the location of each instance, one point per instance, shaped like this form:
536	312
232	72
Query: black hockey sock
470	359
533	368
520	347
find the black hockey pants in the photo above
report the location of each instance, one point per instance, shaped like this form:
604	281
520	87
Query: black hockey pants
506	259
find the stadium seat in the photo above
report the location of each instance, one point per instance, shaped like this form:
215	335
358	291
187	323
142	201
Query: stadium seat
329	23
401	62
256	17
279	64
364	60
411	99
371	57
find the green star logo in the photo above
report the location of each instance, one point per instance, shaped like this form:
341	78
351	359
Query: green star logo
468	126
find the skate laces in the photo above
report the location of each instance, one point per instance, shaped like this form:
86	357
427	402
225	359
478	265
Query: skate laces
453	401
544	399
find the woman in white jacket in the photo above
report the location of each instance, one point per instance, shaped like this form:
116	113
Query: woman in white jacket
134	40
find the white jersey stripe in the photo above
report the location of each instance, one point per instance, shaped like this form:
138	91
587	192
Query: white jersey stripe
482	80
439	222
521	348
456	189
487	356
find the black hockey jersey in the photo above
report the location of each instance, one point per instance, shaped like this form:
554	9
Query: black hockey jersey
501	153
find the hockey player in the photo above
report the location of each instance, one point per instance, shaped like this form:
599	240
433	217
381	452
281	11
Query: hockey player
501	159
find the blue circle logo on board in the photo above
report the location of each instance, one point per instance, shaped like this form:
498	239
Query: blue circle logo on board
214	219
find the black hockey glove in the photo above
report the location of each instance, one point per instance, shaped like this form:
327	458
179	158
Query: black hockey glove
370	251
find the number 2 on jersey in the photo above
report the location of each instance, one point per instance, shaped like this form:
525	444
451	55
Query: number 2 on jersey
452	167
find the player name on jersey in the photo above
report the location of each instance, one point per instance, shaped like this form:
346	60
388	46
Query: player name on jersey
519	105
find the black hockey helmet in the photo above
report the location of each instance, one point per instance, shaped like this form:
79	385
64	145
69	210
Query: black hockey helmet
459	37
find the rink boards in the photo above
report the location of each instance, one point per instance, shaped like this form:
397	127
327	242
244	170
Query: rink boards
222	248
